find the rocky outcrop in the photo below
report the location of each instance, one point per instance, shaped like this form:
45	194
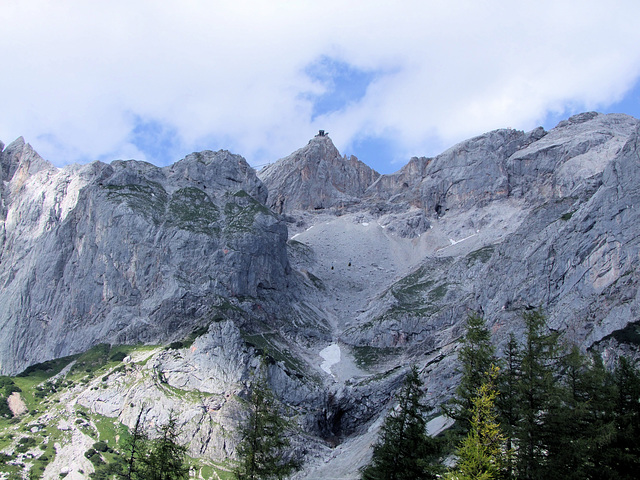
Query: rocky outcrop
127	252
470	173
316	178
204	384
537	165
382	270
534	166
573	252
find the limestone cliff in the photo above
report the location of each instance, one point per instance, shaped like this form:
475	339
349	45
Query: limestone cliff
316	177
127	252
338	276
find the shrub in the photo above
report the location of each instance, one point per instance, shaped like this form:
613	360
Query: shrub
118	356
101	446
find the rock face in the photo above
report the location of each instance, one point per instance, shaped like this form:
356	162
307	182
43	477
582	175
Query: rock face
316	177
507	221
552	218
471	173
127	252
317	253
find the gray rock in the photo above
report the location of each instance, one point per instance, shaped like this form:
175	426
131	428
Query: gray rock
127	252
470	173
385	267
316	177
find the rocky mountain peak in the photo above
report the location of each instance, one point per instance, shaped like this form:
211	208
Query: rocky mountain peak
128	251
316	177
221	170
20	156
190	254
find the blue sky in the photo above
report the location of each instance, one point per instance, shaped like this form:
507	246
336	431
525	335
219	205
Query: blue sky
344	85
157	80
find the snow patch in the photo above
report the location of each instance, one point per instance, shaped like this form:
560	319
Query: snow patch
331	356
455	242
365	224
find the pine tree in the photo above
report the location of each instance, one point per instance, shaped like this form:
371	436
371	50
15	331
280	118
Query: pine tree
142	458
404	451
476	356
135	448
482	453
539	394
166	456
571	427
600	387
508	399
264	444
624	450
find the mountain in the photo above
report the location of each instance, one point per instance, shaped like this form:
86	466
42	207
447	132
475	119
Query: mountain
315	178
127	252
164	286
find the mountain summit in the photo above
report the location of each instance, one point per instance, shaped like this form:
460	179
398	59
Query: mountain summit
126	252
335	276
316	177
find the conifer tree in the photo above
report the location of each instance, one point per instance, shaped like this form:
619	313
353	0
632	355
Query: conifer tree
166	456
539	394
263	449
600	388
476	356
142	458
624	451
482	453
404	451
508	399
571	428
135	448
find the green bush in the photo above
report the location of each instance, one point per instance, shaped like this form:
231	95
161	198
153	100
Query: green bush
7	386
25	444
5	411
118	356
30	441
101	446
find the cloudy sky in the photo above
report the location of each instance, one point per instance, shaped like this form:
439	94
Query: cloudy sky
154	80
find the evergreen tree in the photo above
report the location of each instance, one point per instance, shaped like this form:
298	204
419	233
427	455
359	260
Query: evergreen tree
264	444
476	356
482	453
404	451
564	416
135	447
539	394
580	427
166	456
600	388
624	450
508	399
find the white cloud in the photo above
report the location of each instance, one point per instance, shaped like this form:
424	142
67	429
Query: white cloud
77	75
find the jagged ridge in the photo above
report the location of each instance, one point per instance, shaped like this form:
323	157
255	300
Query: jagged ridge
496	224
